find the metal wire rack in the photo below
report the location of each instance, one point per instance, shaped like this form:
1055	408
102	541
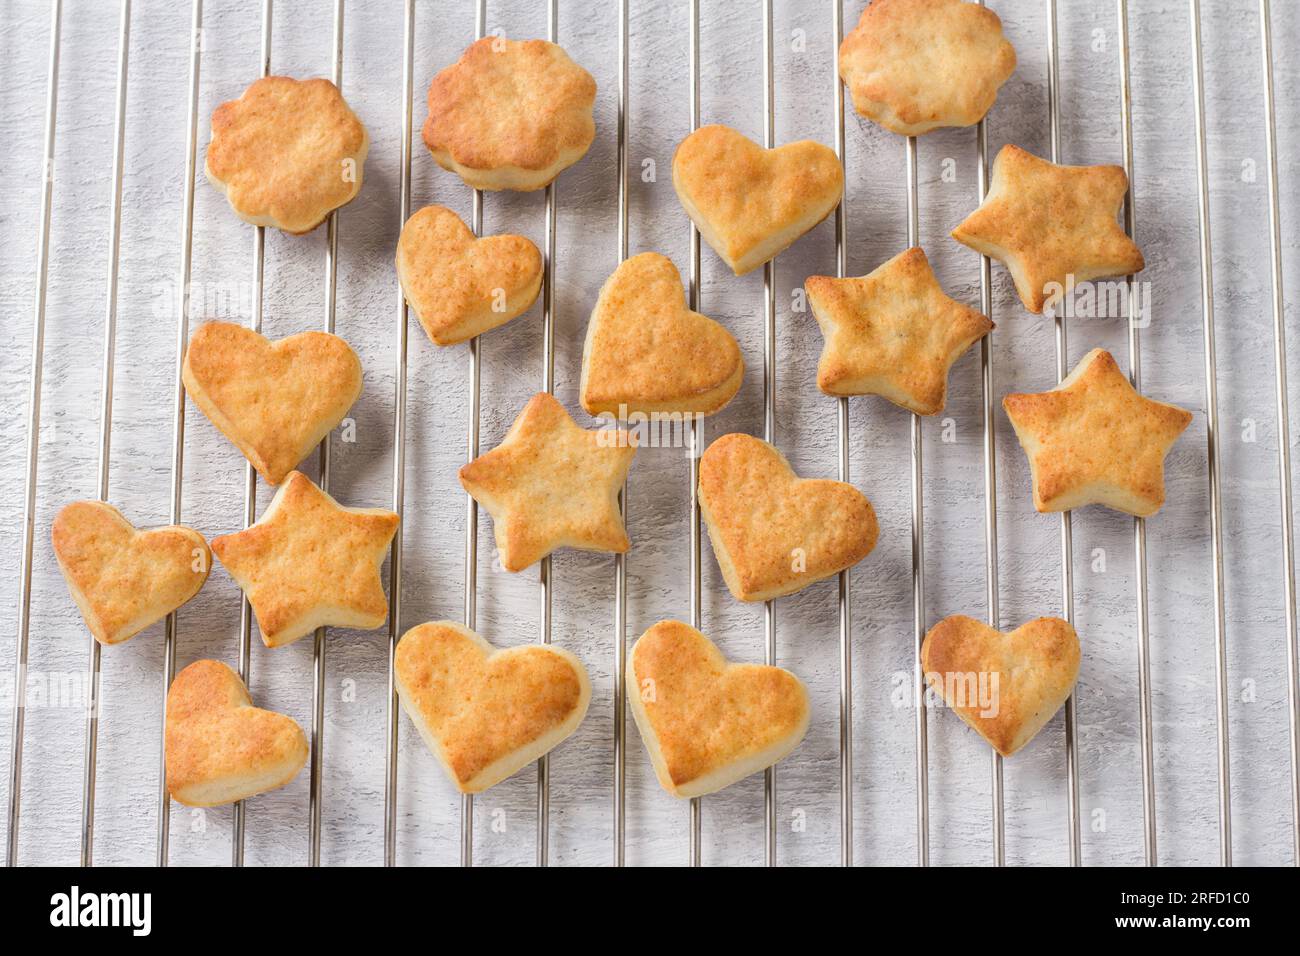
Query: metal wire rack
694	854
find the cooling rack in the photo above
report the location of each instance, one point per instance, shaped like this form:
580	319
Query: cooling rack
841	798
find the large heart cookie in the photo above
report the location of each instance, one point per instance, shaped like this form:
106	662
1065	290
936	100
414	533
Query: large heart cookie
460	286
274	400
748	202
707	723
122	579
772	531
220	748
647	352
485	712
1004	685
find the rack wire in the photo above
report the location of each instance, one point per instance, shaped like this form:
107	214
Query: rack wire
987	372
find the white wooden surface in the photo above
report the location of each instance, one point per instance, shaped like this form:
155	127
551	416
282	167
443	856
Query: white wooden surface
1182	659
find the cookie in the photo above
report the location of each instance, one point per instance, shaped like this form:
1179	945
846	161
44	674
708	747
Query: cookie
707	723
122	579
1094	440
309	562
219	747
287	153
748	202
275	401
1051	226
916	65
1006	686
892	333
551	484
461	286
647	352
510	114
773	532
483	712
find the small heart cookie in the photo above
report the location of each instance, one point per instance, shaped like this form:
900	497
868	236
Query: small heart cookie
219	747
460	286
122	579
1007	685
483	712
773	532
647	352
707	723
287	153
510	114
274	400
748	202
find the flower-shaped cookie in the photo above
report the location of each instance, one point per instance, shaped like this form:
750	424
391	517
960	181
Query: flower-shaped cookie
287	153
915	65
510	114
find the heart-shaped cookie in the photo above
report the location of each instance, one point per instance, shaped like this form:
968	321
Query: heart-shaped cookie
1004	685
647	352
460	286
707	723
122	579
483	712
274	400
220	748
772	531
748	202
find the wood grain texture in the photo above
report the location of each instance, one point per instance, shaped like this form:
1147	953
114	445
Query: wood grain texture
1182	659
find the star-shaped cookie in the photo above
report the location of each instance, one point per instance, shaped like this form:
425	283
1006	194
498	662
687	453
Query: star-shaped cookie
309	562
510	114
1094	440
1052	226
915	65
287	152
551	484
892	333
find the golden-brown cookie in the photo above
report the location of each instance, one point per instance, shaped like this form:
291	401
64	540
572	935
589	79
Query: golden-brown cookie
748	202
510	114
122	579
1004	685
483	712
1094	440
274	400
287	153
309	562
773	532
219	747
551	484
892	333
1051	226
915	65
460	286
647	352
707	723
